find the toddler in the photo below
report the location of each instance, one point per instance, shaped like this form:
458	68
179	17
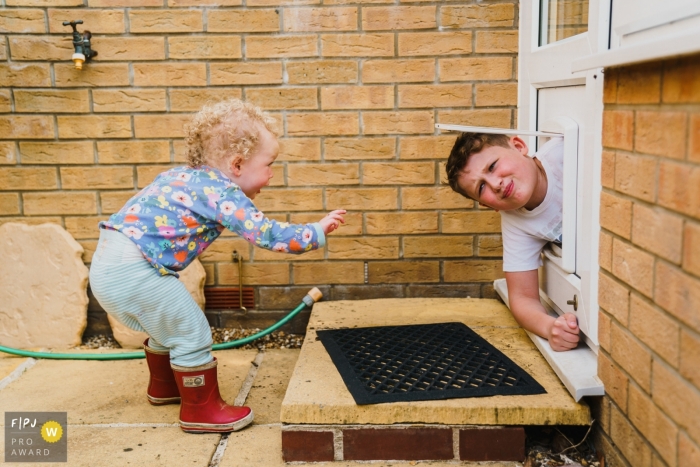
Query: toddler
230	148
497	171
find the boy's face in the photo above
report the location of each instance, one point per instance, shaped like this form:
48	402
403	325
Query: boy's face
256	171
502	178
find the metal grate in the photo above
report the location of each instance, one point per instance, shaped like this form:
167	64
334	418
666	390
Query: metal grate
422	362
227	298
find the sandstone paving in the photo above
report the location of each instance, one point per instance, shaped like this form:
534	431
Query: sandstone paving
153	446
111	423
9	363
317	394
140	434
107	392
270	384
474	312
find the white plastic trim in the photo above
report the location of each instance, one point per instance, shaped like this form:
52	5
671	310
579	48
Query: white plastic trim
569	129
686	11
577	368
664	47
494	131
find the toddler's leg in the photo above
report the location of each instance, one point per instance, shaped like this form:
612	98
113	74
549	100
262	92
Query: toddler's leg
162	388
131	290
155	345
174	321
162	306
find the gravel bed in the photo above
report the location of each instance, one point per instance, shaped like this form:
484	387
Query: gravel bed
564	445
275	340
100	342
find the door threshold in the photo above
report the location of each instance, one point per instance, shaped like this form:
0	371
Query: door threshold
577	368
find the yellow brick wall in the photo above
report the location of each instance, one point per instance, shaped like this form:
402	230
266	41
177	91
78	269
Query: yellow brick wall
356	88
650	264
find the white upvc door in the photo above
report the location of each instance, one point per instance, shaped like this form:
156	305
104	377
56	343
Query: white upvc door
554	33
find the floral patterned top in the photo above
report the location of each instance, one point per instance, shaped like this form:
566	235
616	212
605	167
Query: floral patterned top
175	218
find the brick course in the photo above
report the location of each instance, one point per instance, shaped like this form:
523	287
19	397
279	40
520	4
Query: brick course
315	443
649	286
393	444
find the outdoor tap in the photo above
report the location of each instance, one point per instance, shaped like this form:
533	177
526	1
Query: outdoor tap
81	43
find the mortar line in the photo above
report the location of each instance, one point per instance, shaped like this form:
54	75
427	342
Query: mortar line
248	383
220	450
17	372
240	400
338	452
455	442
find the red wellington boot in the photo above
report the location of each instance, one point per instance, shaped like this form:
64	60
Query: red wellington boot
162	388
202	409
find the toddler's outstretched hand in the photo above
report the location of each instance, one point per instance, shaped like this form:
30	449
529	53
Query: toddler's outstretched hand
332	220
564	333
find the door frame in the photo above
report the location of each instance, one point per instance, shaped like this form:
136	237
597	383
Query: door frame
548	66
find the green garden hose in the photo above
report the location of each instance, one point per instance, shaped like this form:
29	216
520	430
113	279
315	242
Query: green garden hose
309	299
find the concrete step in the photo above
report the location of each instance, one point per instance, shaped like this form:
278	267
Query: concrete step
321	420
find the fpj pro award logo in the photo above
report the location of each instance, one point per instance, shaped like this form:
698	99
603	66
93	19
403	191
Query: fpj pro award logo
36	436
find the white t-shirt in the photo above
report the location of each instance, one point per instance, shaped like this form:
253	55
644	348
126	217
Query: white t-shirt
525	232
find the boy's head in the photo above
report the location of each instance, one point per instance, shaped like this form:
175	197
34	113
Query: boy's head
496	171
237	138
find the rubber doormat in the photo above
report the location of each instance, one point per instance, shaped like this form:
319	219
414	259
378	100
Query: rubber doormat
422	362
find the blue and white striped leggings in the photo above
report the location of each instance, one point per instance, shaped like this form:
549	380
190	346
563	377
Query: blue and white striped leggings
135	293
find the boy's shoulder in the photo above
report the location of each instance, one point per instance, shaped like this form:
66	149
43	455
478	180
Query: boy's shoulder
552	151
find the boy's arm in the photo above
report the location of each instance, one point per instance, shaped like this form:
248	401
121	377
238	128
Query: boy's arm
524	298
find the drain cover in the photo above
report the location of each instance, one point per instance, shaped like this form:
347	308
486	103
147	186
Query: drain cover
422	362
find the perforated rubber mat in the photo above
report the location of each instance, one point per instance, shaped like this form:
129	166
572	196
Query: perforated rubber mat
422	362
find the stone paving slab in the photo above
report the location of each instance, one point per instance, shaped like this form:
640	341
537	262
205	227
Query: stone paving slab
261	445
270	384
90	446
9	363
100	392
474	312
318	395
123	437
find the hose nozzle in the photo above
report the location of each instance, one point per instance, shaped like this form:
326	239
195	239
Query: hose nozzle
312	296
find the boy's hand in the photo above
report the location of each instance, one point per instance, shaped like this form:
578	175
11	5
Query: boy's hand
563	334
332	221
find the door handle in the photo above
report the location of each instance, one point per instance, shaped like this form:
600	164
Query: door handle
573	302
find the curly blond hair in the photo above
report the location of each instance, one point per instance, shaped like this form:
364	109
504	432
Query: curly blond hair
223	129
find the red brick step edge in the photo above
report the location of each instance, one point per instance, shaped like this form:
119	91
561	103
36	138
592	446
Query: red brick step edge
424	442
